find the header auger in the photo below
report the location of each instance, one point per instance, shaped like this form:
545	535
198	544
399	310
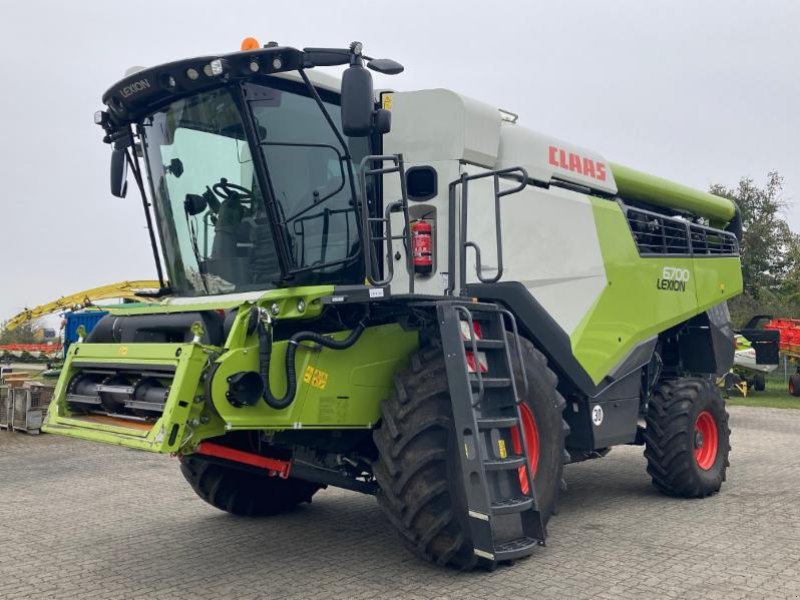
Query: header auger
405	294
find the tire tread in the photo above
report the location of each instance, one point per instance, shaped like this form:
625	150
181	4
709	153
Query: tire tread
669	448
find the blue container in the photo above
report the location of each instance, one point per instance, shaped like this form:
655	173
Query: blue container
87	318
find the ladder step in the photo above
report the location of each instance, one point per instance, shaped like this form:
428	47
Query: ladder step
483	375
497	422
505	464
485	344
512	505
515	549
491	382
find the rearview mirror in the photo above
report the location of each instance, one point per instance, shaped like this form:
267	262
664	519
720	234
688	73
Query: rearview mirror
119	173
175	167
358	101
194	204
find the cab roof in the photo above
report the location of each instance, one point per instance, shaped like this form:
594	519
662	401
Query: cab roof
146	90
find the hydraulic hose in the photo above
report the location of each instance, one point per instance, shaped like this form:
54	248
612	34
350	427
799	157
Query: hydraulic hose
265	357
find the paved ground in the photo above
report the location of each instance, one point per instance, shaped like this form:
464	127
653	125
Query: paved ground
79	520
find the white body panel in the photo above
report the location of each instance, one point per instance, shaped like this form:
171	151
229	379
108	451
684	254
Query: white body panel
550	241
746	358
550	245
437	282
320	79
212	300
546	158
435	125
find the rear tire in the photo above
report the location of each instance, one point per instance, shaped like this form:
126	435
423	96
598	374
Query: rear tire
419	472
729	381
244	493
687	440
794	384
759	382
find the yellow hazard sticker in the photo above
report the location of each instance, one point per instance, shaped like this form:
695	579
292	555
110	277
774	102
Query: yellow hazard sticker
501	448
123	351
315	378
387	101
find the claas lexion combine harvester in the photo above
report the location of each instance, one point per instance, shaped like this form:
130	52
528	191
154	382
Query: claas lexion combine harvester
405	294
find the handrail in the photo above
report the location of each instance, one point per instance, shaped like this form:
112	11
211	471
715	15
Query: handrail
385	222
515	332
463	181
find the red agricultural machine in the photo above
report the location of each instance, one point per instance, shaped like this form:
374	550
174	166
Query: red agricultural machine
789	343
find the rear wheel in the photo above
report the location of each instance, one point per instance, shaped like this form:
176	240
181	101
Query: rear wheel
418	469
241	492
687	440
759	382
729	381
794	384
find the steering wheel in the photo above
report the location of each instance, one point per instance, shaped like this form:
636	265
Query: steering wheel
227	191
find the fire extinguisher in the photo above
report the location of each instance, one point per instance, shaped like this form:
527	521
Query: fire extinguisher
422	246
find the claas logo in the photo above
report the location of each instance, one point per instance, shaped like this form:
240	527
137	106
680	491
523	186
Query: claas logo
583	165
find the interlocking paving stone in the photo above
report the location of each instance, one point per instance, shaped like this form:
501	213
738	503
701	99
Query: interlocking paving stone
81	520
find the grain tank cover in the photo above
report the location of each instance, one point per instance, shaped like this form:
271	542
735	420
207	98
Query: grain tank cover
547	158
438	124
636	185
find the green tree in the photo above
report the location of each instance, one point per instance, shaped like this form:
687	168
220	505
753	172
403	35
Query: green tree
767	241
770	250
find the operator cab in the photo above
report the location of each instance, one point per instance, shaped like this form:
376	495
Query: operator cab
252	177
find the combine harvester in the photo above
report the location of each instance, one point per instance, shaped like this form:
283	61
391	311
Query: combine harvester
405	294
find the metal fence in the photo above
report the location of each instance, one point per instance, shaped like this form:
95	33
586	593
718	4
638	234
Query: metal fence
786	367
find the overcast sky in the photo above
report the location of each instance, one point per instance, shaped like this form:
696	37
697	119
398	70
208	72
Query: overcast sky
698	92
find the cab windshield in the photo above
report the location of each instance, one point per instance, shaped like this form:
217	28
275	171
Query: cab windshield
217	231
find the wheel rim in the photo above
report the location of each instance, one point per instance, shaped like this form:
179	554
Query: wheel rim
532	440
706	440
791	387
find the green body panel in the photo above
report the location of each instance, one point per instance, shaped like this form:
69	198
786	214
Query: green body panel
662	192
336	389
355	381
633	308
185	418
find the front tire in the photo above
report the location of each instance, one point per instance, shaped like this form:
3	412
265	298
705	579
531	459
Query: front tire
687	440
419	472
244	493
